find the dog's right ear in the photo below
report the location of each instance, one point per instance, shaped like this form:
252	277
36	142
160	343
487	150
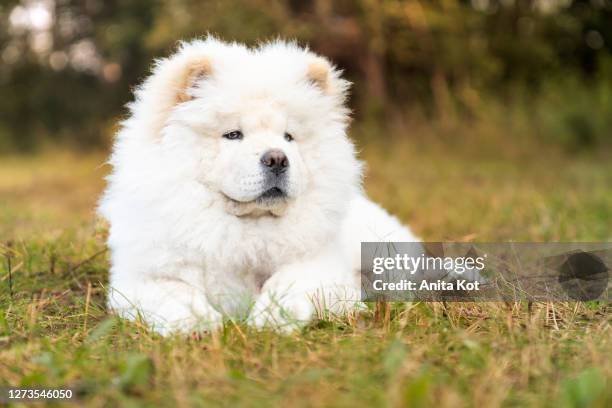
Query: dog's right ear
195	70
170	84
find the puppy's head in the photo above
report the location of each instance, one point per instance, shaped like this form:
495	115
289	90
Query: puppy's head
261	127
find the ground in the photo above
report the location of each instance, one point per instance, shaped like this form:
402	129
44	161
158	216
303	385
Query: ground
55	331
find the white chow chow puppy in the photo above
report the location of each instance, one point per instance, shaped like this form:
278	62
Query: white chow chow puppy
236	193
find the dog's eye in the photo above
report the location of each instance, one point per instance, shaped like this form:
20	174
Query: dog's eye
233	135
288	137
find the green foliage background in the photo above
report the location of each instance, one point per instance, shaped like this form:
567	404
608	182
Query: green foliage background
463	110
545	66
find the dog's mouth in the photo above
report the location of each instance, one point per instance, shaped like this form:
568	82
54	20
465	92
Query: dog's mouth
272	201
272	194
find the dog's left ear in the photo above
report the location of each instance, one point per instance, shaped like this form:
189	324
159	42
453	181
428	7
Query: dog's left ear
322	74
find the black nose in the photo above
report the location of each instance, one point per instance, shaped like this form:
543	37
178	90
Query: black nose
275	160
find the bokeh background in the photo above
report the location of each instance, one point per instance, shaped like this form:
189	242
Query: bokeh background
528	69
481	120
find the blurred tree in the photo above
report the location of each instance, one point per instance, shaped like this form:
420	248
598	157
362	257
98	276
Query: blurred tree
68	66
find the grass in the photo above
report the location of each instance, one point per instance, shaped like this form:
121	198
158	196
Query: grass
55	331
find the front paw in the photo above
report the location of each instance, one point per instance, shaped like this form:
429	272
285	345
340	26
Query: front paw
286	313
185	319
167	313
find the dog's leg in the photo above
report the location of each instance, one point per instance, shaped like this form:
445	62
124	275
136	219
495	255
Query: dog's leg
167	305
305	289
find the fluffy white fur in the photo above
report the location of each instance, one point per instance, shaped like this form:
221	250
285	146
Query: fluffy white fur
191	242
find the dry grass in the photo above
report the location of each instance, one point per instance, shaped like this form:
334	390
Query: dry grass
54	329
